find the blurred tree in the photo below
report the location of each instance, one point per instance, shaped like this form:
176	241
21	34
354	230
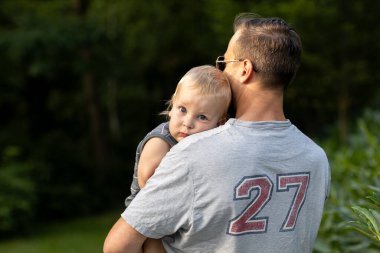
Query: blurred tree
44	107
82	81
338	77
90	94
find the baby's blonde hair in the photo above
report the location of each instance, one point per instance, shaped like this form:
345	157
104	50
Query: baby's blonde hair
209	81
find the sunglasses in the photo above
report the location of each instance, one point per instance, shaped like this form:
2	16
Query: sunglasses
220	62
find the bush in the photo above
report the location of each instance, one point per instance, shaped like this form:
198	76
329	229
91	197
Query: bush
368	218
354	170
17	195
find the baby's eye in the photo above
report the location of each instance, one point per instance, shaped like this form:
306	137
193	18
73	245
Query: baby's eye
202	117
182	109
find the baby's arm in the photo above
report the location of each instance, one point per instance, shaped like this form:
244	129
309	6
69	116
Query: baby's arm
153	152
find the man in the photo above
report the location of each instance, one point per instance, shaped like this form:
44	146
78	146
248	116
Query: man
255	184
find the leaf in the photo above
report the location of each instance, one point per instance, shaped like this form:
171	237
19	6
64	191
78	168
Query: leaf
369	224
368	217
375	199
376	215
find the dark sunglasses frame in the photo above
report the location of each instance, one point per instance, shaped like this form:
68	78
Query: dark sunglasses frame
220	62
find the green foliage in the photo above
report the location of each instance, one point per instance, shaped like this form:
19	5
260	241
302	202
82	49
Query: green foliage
354	169
338	73
17	195
368	219
82	81
50	51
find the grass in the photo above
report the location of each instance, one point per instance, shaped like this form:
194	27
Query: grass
84	235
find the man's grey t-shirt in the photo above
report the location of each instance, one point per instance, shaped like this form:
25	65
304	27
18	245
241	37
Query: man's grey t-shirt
242	187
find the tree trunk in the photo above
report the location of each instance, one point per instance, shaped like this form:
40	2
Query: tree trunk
343	104
94	120
91	100
114	122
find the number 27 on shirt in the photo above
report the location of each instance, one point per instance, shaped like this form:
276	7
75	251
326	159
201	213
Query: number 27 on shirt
248	221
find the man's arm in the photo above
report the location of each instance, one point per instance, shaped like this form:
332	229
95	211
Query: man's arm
123	238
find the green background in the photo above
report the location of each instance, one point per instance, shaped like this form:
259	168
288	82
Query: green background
82	81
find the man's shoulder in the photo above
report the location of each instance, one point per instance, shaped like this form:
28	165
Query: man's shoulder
202	139
312	146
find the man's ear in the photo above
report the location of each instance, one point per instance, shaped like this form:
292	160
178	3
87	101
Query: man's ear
247	71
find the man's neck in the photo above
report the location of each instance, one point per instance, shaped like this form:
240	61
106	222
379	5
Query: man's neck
260	105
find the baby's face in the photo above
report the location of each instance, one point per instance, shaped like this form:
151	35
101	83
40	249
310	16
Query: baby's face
193	113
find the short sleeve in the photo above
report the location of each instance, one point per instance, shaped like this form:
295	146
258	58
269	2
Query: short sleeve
165	204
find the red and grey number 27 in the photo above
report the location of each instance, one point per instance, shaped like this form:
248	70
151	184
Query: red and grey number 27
248	221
